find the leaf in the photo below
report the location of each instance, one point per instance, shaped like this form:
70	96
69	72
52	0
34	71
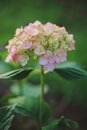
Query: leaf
70	71
6	116
61	124
4	67
5	98
16	74
71	124
27	106
32	90
51	126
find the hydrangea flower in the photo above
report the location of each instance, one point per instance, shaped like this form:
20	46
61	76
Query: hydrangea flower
48	42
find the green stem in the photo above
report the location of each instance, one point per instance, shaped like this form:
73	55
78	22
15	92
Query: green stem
41	97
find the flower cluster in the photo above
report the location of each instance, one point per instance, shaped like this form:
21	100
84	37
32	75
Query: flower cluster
48	42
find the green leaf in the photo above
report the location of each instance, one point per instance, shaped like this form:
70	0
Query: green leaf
61	124
6	116
16	74
70	71
4	67
51	126
5	98
70	123
27	106
32	90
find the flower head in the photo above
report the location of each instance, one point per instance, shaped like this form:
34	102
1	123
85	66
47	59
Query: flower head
48	42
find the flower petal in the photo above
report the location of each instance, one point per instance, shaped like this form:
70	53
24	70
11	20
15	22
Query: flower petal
9	58
43	61
50	67
23	59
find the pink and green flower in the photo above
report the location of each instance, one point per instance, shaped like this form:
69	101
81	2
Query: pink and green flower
48	42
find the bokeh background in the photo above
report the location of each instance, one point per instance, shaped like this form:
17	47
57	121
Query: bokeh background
66	97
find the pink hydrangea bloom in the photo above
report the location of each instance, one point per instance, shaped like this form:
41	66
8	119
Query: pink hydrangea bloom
48	42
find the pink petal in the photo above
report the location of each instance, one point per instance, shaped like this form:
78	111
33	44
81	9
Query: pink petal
60	56
15	58
26	45
43	61
23	59
37	23
9	58
48	28
50	67
39	50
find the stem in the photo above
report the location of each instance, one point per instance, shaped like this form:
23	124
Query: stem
41	97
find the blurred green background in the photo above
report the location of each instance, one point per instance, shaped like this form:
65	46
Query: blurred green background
69	13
